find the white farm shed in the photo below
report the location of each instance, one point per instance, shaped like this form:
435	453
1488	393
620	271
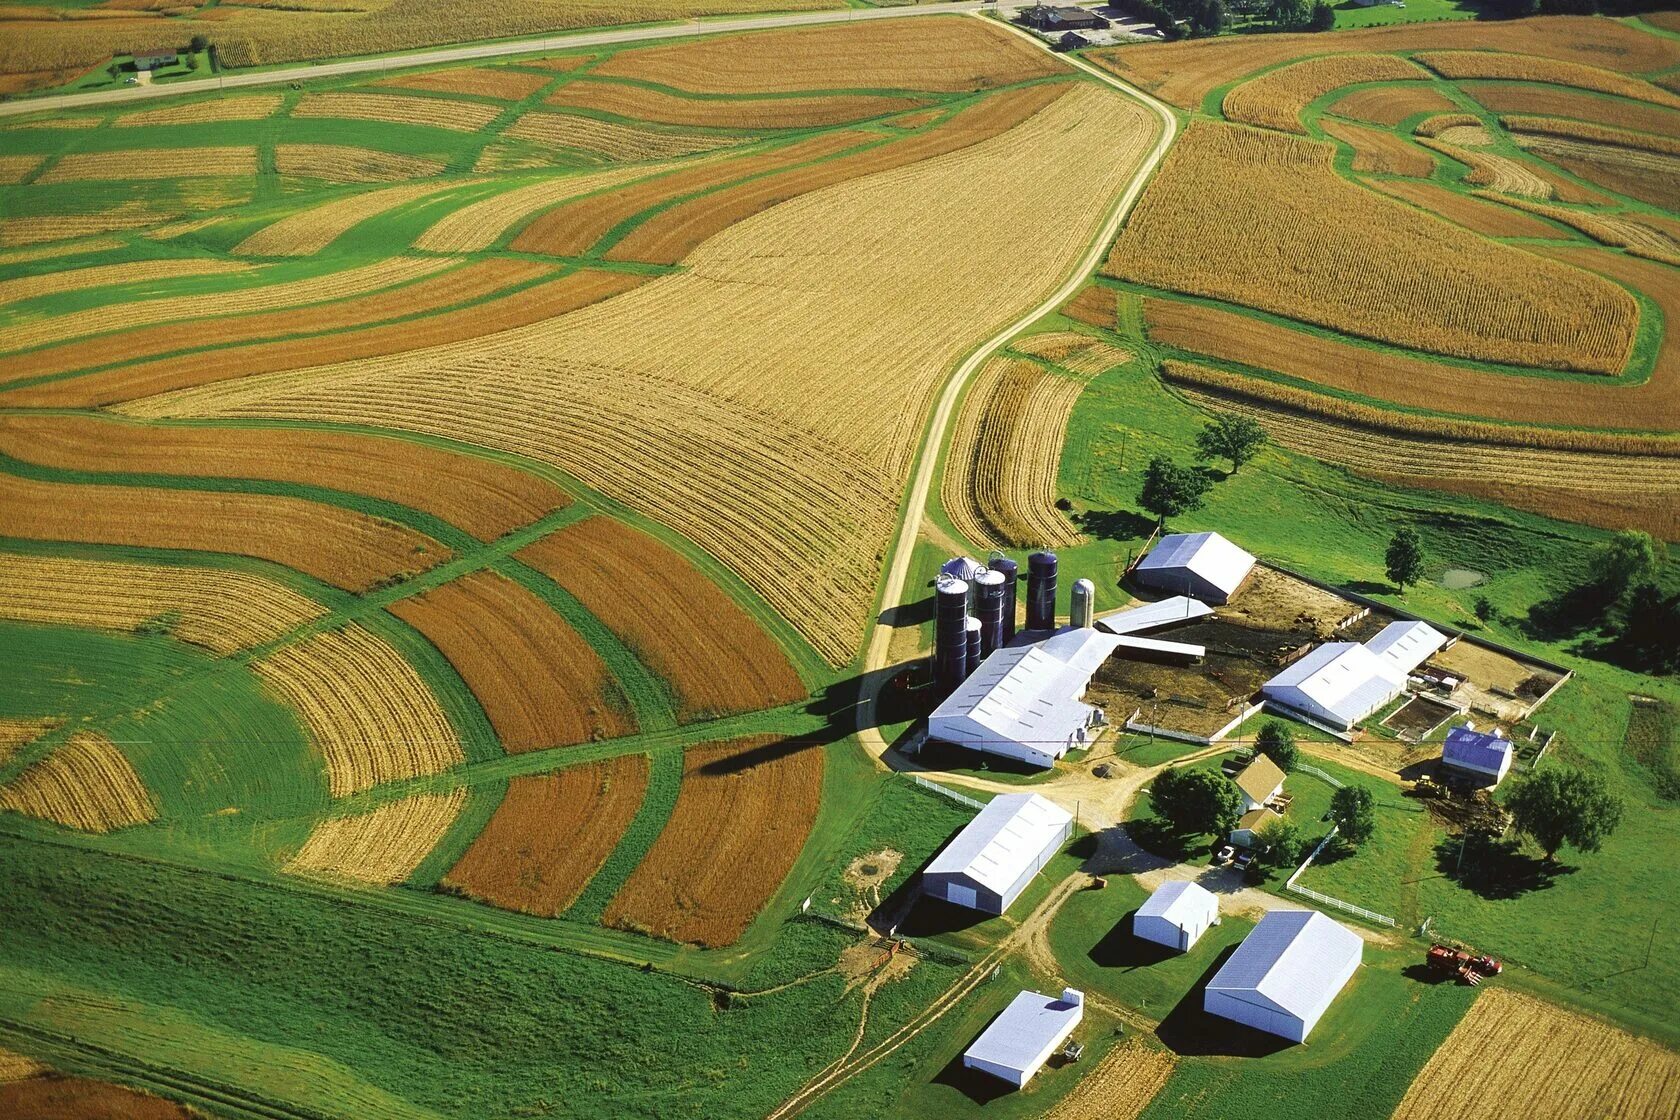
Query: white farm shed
1023	702
1483	755
1176	915
1339	684
1203	565
990	862
1020	1040
1406	645
1285	974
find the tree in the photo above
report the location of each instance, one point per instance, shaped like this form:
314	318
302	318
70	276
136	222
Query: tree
1288	13
1355	812
1405	558
1650	635
1628	558
1559	806
1323	17
1277	742
1169	489
1230	436
1196	801
199	44
1279	846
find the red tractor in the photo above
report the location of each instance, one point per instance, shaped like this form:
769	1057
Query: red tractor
1444	960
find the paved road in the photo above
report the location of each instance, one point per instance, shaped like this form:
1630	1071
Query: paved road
570	41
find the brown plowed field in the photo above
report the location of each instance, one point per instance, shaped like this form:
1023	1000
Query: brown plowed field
1487	218
748	804
529	305
679	623
1383	152
77	1098
1551	1062
1093	306
473	281
1553	101
645	104
479	81
672	234
571	230
550	836
1389	105
335	545
538	681
953	55
1275	99
87	784
479	495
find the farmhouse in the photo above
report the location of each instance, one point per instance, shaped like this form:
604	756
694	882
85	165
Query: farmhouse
1024	701
1259	781
1176	915
1337	684
1250	825
1042	17
1406	645
1204	565
990	862
1019	1041
1285	974
154	57
1483	756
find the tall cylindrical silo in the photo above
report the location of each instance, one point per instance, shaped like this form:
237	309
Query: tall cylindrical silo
1011	575
1041	591
950	633
1084	605
989	592
975	656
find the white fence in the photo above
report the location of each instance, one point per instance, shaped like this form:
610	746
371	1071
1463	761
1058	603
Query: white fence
1324	899
946	791
1308	768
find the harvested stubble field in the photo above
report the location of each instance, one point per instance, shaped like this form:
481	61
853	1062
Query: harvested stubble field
59	227
473	81
528	305
959	54
539	682
1592	133
366	710
380	847
716	659
50	252
153	163
1185	72
1000	479
306	232
1649	177
222	610
14	169
1071	350
708	399
1497	172
101	275
342	163
1611	229
1441	122
1375	150
479	225
15	733
647	104
1361	263
54	1097
550	836
1522	68
611	139
1389	105
1478	215
1466	135
1552	1062
1120	1087
749	804
87	783
16	1067
484	497
1276	98
245	107
395	108
1094	306
1418	383
335	545
1551	101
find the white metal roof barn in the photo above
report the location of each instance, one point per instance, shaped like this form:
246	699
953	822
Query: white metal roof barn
990	862
1021	1039
1285	974
1339	683
1176	915
1204	565
1406	645
1024	700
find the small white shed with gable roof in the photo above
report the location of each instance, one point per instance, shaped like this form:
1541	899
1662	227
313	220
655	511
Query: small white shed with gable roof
1203	565
1176	915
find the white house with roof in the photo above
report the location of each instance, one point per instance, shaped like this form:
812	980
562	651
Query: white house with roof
1406	645
1338	684
1482	755
1024	701
1203	565
1250	825
1259	781
990	862
1020	1040
1176	915
1285	974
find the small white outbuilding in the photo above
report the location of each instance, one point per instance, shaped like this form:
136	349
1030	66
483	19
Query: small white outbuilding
1021	1039
990	862
1285	974
1176	915
1484	756
1203	565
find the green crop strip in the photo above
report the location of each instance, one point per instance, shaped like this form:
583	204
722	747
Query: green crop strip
483	799
665	770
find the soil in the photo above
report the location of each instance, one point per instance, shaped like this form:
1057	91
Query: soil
1419	717
866	874
1272	600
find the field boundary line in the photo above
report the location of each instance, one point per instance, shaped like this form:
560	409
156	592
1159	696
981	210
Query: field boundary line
1320	897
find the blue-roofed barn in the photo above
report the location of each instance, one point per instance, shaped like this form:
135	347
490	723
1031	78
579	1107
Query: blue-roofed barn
1021	1039
990	862
1482	755
1285	974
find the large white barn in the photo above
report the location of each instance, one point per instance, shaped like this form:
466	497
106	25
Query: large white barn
1339	684
1406	645
1021	1039
1285	974
1203	565
990	862
1176	915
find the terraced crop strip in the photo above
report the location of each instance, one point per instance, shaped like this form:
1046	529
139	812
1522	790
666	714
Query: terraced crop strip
1552	101
1375	150
1649	177
15	733
1000	481
306	232
1612	229
611	139
335	545
479	225
366	710
59	227
382	847
648	104
1591	133
242	107
14	169
221	610
439	112
1360	264
1276	98
153	163
86	784
1093	306
101	275
1496	172
1488	218
1517	67
749	804
473	81
538	681
484	497
679	623
1389	105
550	835
341	163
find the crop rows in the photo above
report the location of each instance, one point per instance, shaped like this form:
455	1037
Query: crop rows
1093	306
221	610
539	682
646	104
1616	230
1496	172
100	275
1524	68
1441	122
474	81
479	225
1375	150
1360	264
1276	98
308	231
244	107
1389	105
1551	101
749	805
59	227
393	108
717	660
1488	218
1592	133
1650	177
341	163
15	733
380	847
550	835
366	710
153	163
611	139
1071	350
87	783
13	169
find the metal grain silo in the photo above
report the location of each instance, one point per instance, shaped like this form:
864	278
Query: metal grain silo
950	633
1011	575
1041	591
972	632
990	590
1084	605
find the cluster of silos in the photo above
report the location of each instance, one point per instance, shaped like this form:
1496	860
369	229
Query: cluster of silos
962	640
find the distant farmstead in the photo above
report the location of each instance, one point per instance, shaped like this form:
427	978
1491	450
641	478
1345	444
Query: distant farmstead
1043	17
991	861
155	57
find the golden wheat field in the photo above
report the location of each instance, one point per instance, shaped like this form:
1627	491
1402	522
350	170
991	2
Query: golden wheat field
439	112
1275	99
153	163
16	1067
86	783
1362	264
365	708
1649	177
343	163
1522	68
1494	171
1485	215
473	81
307	232
1552	101
1592	133
383	846
245	107
709	400
648	104
1614	230
13	169
611	139
103	275
15	733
